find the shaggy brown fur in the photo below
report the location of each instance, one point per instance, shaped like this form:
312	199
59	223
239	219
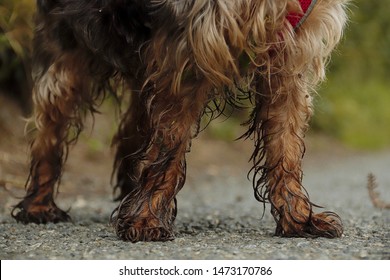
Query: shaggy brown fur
176	57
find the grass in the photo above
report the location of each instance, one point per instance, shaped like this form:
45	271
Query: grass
355	112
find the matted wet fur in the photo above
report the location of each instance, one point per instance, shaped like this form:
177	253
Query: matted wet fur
176	57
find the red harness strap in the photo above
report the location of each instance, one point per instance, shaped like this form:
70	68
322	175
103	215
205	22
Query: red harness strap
296	19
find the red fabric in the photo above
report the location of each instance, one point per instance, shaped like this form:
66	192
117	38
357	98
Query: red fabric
295	18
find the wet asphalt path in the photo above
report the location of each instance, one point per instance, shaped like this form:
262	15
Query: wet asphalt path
218	217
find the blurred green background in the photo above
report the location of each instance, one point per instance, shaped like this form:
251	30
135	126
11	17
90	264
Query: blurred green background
352	105
16	18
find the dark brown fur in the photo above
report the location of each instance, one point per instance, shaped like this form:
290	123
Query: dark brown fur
176	57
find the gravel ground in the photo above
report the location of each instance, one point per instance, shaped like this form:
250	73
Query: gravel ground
218	216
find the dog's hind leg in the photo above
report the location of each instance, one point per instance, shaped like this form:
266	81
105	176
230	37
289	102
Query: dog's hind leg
129	139
58	105
279	121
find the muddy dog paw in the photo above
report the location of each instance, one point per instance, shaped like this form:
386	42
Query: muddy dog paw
26	212
325	224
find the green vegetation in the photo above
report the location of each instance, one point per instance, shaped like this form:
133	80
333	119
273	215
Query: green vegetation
353	105
15	25
16	17
357	114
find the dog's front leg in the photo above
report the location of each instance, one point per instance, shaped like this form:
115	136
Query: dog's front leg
148	211
280	121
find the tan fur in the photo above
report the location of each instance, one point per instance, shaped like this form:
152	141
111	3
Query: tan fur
197	52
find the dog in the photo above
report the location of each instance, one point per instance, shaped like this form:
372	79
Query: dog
175	58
